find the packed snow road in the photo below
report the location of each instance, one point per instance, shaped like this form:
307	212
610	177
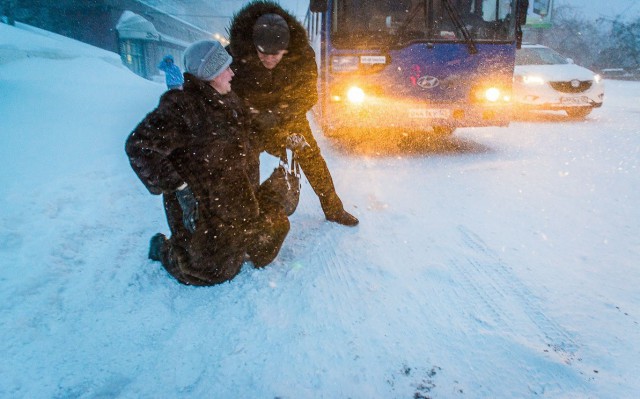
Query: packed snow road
491	264
500	263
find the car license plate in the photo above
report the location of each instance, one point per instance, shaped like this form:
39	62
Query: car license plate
429	113
581	100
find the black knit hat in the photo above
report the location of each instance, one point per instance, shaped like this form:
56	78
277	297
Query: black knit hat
271	34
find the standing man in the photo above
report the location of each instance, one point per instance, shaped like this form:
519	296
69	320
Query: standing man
172	74
276	77
193	149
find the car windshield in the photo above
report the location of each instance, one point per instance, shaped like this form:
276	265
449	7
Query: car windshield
539	56
375	23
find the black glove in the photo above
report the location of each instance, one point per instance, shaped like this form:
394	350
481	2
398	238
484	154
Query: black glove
189	206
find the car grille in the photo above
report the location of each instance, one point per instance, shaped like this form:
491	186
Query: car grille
568	87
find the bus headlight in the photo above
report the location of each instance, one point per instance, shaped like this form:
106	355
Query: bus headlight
597	78
492	94
355	95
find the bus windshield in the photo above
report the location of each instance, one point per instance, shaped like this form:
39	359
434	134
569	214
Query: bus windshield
389	23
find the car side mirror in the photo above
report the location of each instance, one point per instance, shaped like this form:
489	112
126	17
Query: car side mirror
318	5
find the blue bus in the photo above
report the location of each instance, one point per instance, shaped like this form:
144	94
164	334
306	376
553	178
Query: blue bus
431	65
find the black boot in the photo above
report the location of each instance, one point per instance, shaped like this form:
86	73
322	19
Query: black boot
342	217
155	246
316	170
267	236
334	210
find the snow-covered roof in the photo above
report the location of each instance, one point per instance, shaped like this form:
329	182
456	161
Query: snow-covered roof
133	26
205	14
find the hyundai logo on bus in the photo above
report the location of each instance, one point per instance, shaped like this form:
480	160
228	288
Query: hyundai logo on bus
428	82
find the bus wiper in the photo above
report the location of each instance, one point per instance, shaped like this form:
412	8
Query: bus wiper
457	21
410	18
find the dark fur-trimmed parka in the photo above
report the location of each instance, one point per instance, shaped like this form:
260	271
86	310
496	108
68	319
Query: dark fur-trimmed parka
199	137
290	89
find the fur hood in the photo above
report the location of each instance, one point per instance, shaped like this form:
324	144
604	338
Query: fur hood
241	29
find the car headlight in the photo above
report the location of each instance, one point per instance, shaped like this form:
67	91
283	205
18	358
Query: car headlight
344	63
532	80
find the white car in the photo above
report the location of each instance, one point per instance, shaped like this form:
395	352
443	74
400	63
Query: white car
545	80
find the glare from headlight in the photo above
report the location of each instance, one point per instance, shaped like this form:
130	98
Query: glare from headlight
532	80
597	78
355	95
492	94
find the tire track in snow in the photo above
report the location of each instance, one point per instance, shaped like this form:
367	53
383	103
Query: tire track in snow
335	267
506	298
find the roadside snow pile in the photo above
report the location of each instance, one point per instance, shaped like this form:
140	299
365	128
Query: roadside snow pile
24	41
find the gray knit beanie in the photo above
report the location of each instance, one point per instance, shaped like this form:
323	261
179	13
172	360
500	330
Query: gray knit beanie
206	59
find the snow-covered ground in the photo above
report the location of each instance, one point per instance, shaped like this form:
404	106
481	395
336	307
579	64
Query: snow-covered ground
503	263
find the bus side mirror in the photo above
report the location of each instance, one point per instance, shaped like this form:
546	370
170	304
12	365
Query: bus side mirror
522	8
318	5
521	12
